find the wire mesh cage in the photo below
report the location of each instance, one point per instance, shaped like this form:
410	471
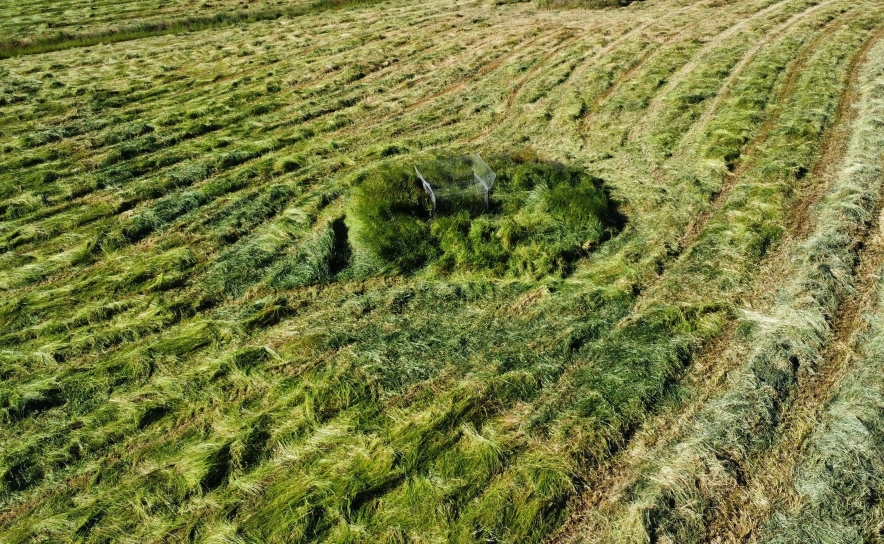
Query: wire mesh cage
457	183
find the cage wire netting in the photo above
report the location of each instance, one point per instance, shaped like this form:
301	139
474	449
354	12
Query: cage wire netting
542	217
457	183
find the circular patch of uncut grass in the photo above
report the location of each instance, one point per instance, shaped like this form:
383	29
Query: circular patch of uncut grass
541	218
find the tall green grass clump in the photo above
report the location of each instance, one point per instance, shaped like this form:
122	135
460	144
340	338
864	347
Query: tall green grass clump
542	217
391	217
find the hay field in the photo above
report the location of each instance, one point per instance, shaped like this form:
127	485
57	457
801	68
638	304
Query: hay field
199	341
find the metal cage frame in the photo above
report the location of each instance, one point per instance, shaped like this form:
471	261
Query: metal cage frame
482	181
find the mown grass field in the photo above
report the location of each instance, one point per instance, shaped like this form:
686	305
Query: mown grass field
667	328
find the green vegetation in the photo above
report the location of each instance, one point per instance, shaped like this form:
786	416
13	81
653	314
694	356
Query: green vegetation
839	479
228	311
744	419
541	219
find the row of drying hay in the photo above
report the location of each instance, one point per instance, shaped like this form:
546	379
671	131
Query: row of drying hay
541	217
631	370
676	501
840	476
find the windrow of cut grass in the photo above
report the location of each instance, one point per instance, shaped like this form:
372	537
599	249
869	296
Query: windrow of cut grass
45	18
839	478
723	283
705	171
834	503
194	345
674	501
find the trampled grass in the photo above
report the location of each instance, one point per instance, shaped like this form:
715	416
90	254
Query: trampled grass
228	314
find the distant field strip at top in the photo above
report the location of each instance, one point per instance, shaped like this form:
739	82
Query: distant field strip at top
28	30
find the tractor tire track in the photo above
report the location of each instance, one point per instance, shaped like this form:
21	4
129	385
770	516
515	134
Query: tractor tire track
631	71
575	74
742	516
747	157
519	86
484	70
626	37
593	109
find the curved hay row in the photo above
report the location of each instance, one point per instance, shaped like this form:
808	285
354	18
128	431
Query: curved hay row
841	366
675	500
